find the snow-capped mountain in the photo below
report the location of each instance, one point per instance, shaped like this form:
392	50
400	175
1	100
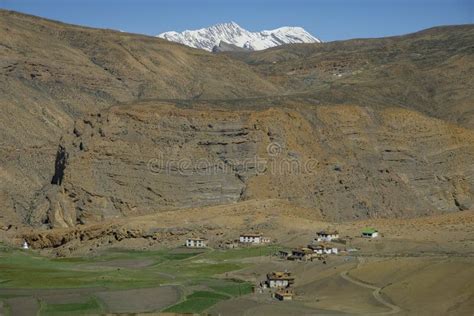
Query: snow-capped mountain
232	33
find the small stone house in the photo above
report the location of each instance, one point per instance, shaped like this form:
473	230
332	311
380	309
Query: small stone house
230	244
301	254
284	295
284	254
370	232
327	235
196	243
279	280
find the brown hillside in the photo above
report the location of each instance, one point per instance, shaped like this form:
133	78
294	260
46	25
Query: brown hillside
429	71
52	73
385	125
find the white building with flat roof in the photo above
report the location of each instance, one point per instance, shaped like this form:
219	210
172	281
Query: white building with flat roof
370	232
253	238
196	243
327	235
279	279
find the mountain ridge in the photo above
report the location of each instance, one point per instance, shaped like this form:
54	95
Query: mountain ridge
73	89
232	33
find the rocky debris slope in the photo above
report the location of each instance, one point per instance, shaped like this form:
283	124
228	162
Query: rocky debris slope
345	162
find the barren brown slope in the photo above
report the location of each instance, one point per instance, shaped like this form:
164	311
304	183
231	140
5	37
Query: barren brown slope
367	155
428	71
52	73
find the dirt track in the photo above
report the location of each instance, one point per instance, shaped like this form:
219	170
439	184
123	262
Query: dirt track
394	309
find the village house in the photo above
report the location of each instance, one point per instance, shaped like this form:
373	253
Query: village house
196	243
283	254
284	295
253	238
279	280
324	249
370	233
301	254
230	244
327	235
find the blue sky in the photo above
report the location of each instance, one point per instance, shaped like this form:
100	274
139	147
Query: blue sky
326	19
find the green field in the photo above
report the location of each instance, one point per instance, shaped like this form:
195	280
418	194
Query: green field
197	302
91	306
115	270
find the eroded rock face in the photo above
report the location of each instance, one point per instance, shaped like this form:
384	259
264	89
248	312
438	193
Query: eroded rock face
66	241
344	161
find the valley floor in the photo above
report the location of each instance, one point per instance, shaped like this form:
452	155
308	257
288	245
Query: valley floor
421	266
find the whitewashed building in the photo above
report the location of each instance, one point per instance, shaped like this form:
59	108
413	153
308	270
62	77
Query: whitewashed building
196	243
253	238
279	279
326	235
324	249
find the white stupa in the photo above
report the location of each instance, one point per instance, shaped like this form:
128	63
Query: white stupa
25	245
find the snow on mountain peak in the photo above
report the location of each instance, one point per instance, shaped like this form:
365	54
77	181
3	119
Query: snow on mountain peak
232	33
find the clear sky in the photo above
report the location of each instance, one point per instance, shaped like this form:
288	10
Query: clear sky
327	19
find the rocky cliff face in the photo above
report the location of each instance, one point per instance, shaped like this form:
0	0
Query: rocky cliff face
346	162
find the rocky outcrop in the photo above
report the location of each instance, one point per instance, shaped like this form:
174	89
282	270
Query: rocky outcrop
226	47
53	208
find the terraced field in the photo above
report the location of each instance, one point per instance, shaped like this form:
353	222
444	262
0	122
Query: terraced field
121	281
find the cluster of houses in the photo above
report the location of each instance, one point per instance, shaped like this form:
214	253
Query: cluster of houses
321	245
318	249
281	282
244	239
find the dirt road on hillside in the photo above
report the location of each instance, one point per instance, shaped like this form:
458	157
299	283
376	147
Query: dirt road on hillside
376	293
